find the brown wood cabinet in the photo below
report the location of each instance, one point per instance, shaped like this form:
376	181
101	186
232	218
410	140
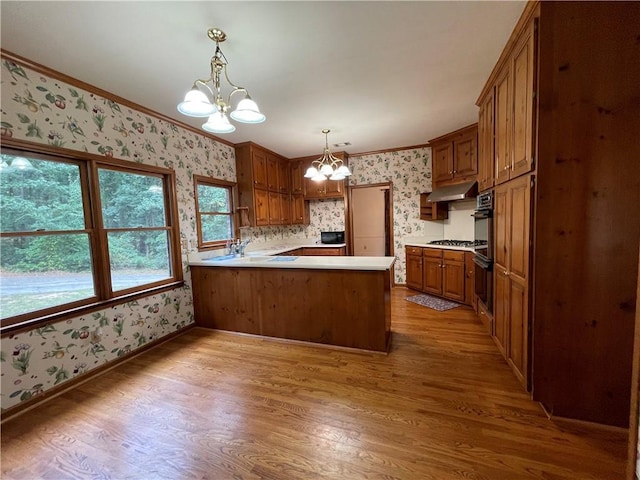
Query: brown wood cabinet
433	210
318	190
507	115
470	281
299	210
414	267
512	216
455	157
323	251
264	184
297	177
486	162
437	271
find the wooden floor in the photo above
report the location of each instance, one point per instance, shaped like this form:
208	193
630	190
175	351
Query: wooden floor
211	405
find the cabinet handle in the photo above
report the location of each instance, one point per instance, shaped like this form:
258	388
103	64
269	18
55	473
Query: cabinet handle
455	171
507	167
506	273
450	172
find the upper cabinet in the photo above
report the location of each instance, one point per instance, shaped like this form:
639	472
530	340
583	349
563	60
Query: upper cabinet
486	167
507	115
455	157
264	187
312	189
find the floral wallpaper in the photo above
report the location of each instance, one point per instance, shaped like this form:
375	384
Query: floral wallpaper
43	109
410	173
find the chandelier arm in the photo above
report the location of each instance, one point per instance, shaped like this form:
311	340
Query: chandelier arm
204	83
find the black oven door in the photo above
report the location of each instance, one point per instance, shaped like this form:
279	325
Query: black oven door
484	282
483	229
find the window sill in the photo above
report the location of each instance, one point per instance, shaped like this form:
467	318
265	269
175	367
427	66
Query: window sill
84	309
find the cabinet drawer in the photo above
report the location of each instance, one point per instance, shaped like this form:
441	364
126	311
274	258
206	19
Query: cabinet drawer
432	252
413	251
454	255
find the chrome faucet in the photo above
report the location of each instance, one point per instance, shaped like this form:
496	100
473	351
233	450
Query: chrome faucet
241	247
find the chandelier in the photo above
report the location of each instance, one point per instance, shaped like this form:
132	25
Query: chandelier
327	166
197	104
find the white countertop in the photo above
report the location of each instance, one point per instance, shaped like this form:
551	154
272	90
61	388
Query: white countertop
278	249
338	262
445	247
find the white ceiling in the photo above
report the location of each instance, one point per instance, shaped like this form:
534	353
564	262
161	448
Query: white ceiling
378	74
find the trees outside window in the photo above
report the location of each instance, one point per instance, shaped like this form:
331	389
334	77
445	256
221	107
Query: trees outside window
78	231
214	207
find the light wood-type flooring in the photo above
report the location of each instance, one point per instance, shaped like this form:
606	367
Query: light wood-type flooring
211	405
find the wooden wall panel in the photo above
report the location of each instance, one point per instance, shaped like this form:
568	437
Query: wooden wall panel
587	222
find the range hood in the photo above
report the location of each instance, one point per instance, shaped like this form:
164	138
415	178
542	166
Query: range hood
449	193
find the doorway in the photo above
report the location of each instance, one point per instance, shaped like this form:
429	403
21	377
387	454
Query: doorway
371	220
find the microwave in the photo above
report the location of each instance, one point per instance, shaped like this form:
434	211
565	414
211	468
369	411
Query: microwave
332	237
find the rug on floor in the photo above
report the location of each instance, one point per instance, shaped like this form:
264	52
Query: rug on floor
436	303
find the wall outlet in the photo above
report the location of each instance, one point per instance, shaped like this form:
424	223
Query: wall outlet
96	335
184	243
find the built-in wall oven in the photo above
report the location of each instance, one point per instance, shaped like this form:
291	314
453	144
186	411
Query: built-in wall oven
483	247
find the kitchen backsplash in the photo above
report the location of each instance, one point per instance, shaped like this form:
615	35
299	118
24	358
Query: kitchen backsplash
459	225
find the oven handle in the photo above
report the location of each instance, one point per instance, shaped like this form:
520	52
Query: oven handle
482	263
481	214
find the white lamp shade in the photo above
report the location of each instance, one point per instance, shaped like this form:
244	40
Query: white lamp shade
337	176
218	123
247	111
326	170
311	172
343	170
196	104
318	177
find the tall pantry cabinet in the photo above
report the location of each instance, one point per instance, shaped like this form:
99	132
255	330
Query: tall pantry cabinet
564	102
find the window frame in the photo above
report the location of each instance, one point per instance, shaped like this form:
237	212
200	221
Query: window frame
104	296
232	188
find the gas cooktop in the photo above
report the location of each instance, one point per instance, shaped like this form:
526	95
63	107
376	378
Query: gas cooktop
458	243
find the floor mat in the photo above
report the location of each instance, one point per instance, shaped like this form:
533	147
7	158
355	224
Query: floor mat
436	303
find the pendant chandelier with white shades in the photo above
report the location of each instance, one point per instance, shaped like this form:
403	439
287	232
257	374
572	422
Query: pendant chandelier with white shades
327	166
197	104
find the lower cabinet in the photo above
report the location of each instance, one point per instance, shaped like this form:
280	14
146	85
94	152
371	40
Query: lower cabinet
440	272
323	251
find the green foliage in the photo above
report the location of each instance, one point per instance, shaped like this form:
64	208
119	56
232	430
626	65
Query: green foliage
48	198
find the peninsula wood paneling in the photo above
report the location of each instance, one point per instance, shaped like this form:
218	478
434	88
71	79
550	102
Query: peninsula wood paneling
348	308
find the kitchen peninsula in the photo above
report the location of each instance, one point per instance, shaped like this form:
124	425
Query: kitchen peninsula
342	301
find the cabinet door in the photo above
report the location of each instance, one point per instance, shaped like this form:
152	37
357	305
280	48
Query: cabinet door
501	308
465	157
518	331
272	173
500	225
442	162
469	280
519	208
334	188
284	180
275	213
522	68
285	209
259	166
453	280
297	177
503	125
261	199
485	144
432	275
299	210
414	271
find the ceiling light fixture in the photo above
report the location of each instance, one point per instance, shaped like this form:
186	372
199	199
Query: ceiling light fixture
327	166
197	104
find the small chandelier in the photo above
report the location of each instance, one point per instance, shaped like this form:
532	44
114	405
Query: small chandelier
327	166
197	104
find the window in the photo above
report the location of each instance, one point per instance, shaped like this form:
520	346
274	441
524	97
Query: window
214	206
67	242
